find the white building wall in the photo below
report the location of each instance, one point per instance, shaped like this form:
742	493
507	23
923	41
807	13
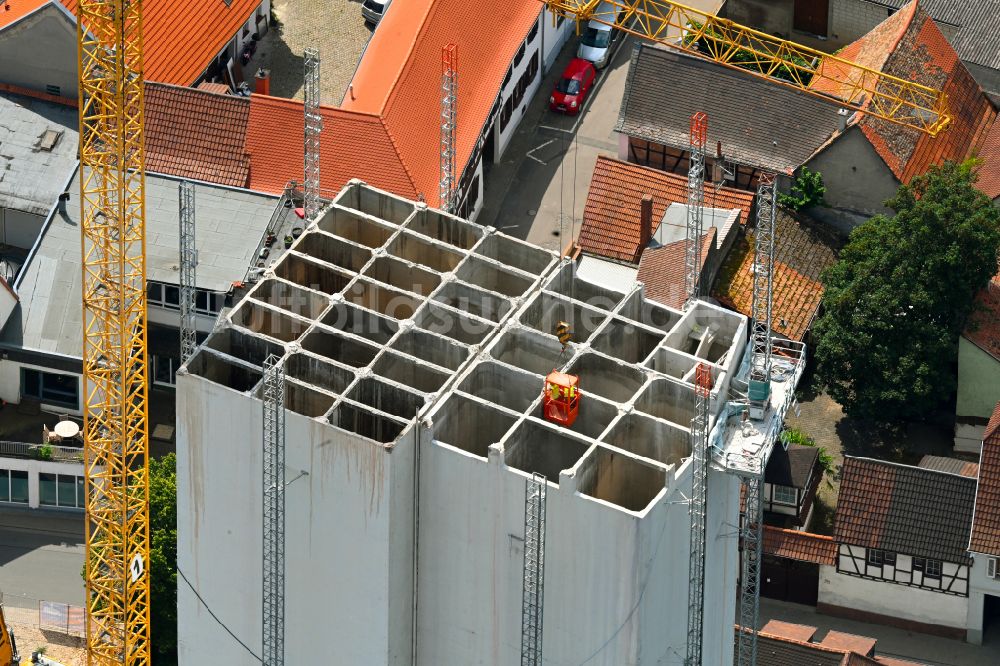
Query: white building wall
891	599
348	557
36	467
10	385
554	35
980	585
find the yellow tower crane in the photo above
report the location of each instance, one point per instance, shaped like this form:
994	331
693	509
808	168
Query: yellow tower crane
112	182
739	47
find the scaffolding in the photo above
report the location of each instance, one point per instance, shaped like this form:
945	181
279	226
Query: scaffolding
533	589
188	263
696	203
313	129
273	644
449	94
761	298
697	513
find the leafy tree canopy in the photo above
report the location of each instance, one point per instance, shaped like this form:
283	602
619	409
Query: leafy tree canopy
901	293
163	558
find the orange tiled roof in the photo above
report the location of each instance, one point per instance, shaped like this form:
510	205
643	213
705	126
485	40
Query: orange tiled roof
989	171
910	46
985	536
984	327
611	216
13	11
801	254
662	270
352	145
182	37
196	134
801	546
399	76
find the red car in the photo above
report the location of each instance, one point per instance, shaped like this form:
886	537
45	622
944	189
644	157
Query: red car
572	89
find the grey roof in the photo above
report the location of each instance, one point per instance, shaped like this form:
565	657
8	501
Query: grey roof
904	509
978	36
31	179
673	225
950	465
229	226
760	124
793	468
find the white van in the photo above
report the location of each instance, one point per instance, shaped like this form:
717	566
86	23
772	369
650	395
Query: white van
373	10
598	38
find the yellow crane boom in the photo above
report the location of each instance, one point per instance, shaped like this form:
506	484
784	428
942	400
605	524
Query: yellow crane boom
112	199
732	45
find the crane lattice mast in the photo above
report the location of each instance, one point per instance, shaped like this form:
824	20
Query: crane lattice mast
696	203
112	195
759	393
273	643
757	53
188	263
449	101
697	512
313	129
533	585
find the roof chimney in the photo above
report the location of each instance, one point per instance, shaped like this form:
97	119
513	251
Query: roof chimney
645	222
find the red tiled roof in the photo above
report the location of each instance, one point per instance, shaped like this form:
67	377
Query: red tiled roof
662	270
985	536
352	145
611	216
399	76
984	324
13	11
796	632
182	37
196	134
838	640
801	546
910	46
989	170
801	254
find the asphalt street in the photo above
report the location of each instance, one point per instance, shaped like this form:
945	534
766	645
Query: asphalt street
41	556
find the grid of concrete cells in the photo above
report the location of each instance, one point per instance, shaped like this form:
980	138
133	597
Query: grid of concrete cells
385	310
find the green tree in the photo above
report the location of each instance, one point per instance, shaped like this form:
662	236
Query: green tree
807	191
163	558
901	293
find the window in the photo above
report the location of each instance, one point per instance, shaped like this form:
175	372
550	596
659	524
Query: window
506	79
568	86
875	557
53	90
65	490
519	56
165	370
51	388
991	564
785	495
597	38
13	486
933	569
533	33
169	296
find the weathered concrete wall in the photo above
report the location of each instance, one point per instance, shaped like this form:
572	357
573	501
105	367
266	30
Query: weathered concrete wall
349	552
979	585
987	77
857	181
40	51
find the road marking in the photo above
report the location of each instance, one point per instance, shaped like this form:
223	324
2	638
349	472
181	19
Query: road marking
539	148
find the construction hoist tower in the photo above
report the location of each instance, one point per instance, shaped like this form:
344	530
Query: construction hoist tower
188	264
449	102
112	195
697	512
313	123
533	584
273	642
695	205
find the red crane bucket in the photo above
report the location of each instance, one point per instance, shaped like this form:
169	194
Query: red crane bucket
561	398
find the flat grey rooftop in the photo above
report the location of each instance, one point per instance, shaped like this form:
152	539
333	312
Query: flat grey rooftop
32	177
229	226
